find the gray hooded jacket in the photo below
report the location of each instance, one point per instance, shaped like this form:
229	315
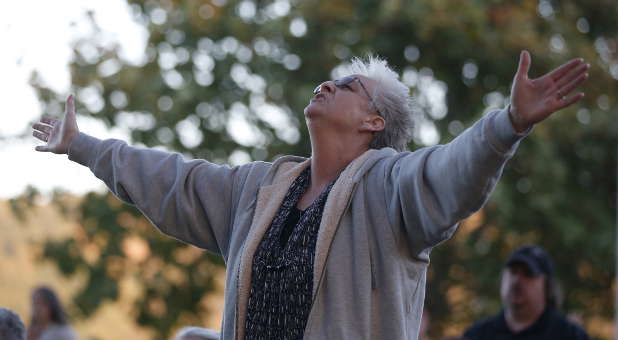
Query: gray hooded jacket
383	216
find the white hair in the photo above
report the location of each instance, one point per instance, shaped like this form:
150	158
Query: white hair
392	98
197	332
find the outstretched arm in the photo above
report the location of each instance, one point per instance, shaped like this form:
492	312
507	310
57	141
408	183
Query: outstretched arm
193	201
436	187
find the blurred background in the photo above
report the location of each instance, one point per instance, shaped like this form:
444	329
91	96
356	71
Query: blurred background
227	80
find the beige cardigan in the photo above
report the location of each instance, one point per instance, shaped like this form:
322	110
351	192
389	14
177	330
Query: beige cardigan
269	200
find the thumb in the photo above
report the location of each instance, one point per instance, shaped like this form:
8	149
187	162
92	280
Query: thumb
70	109
524	64
42	148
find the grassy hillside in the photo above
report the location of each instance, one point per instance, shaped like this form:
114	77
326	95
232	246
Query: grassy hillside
21	269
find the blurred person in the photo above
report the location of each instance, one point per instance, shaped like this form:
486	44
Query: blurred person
337	245
197	333
49	321
11	326
530	298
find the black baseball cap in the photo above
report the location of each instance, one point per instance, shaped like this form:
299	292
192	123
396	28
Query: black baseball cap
535	258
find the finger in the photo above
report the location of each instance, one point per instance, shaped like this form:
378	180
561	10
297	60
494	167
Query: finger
564	68
70	110
42	136
42	148
524	64
43	128
568	101
573	74
572	85
70	105
49	120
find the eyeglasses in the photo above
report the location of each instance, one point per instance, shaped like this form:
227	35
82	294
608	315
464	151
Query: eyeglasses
346	81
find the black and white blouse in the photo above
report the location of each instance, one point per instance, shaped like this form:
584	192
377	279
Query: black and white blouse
282	270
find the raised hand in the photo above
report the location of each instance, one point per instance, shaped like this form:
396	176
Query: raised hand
533	100
57	133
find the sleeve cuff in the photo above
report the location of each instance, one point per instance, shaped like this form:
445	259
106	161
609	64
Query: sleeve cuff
82	149
504	131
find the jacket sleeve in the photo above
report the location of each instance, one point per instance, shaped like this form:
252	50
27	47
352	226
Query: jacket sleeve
189	200
429	191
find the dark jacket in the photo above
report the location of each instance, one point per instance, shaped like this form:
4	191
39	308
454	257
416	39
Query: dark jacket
551	325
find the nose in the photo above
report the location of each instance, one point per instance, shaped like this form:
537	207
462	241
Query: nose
327	86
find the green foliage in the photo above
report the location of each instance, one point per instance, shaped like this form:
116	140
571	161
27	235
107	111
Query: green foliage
20	205
207	65
114	243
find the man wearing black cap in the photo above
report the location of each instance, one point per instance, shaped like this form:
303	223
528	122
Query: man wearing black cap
529	297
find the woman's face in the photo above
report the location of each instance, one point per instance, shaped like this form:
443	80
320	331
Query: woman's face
40	309
342	107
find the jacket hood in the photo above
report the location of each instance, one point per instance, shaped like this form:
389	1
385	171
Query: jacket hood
286	163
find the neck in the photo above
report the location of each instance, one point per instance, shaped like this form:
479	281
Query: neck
36	328
329	158
331	152
521	317
328	161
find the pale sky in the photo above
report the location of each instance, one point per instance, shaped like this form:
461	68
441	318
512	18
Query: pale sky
37	35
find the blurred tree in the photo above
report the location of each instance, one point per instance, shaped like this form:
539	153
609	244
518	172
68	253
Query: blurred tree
227	81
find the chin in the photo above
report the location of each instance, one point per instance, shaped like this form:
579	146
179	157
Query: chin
312	110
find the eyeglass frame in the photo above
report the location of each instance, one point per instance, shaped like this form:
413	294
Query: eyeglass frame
347	80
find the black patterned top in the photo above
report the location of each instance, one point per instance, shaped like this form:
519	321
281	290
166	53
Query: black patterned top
282	270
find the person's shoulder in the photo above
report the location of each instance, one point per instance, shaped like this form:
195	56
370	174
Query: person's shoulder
484	328
59	332
385	157
568	329
392	157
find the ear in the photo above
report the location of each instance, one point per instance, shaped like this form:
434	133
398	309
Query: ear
372	123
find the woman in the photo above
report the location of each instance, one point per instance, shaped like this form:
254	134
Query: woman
335	246
48	320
